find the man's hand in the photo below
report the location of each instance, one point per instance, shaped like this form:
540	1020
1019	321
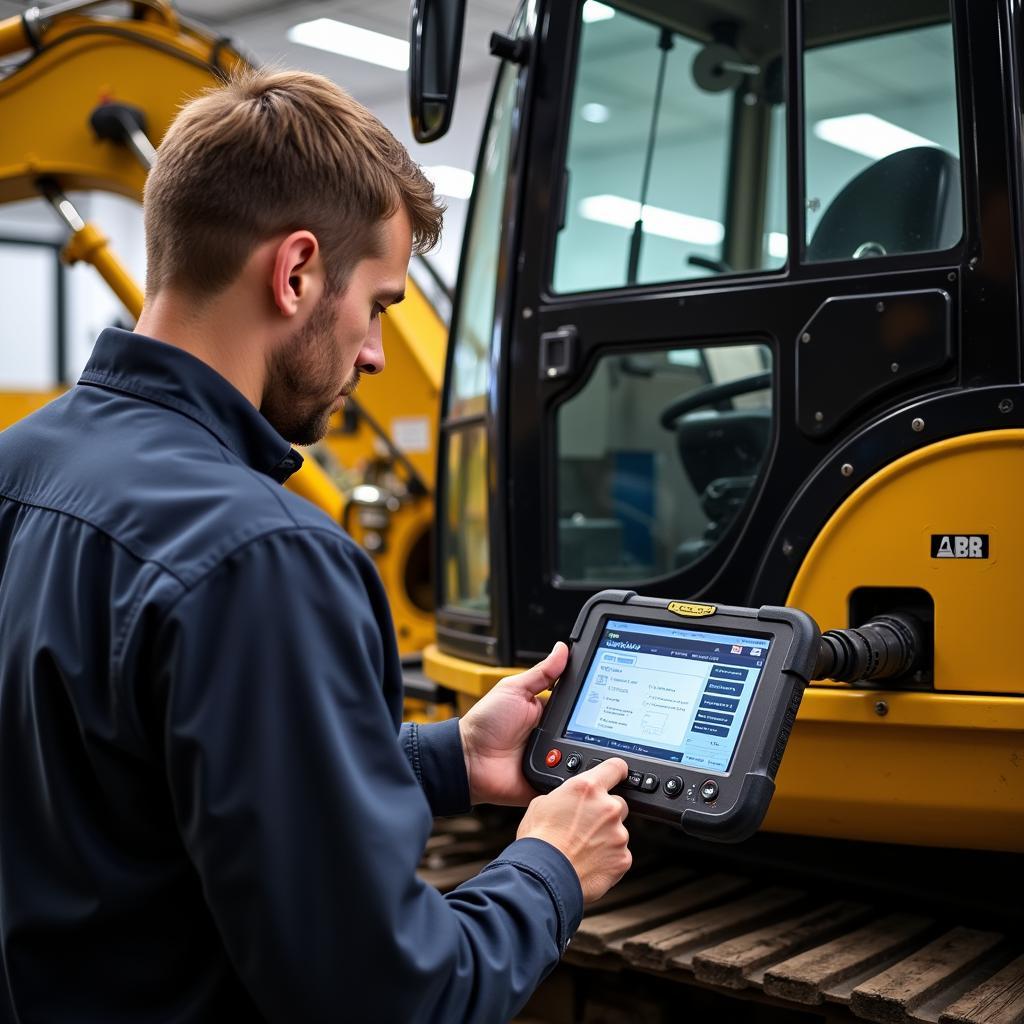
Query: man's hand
495	731
583	820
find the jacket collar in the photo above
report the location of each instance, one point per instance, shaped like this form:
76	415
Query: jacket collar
166	375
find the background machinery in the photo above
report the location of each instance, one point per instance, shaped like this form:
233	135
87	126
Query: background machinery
84	101
739	320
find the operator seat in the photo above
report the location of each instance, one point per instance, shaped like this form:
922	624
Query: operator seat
907	202
721	452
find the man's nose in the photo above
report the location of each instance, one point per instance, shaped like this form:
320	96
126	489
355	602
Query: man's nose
371	355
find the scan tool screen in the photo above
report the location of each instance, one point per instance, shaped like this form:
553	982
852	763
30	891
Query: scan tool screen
679	695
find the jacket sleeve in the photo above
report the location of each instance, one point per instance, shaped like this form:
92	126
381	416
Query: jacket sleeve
305	820
435	753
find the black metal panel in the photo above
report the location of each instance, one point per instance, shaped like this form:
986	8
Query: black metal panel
989	107
855	347
1013	44
545	606
486	638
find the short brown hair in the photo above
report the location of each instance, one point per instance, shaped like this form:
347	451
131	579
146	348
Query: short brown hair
268	153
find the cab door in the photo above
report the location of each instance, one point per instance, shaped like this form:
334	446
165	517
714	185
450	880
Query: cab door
745	228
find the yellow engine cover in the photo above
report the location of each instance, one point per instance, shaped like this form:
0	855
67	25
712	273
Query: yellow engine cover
943	767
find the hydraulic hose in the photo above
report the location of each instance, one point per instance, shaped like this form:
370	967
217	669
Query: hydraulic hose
884	648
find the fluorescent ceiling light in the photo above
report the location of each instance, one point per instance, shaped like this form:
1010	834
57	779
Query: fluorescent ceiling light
593	10
868	135
595	113
450	181
349	41
624	213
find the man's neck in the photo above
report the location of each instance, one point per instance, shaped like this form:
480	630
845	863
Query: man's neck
215	333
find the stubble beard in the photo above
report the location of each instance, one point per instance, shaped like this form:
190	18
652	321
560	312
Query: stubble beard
301	378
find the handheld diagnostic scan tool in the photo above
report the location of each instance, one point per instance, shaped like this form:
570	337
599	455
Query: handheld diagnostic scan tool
698	699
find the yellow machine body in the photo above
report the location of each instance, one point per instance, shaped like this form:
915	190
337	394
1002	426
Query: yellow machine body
16	405
942	767
155	64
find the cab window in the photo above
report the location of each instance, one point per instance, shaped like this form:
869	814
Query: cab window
882	134
676	158
658	454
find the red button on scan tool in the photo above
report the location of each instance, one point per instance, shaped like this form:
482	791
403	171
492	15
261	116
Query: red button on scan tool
554	756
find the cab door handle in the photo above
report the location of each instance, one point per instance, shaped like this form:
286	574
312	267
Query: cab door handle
558	352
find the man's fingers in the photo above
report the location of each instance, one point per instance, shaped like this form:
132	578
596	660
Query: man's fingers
623	808
545	673
609	773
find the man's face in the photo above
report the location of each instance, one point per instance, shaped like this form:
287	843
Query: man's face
312	370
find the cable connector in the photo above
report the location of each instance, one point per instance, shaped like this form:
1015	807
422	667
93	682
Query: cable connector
886	647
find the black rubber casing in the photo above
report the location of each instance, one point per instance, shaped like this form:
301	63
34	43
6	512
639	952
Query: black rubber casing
746	790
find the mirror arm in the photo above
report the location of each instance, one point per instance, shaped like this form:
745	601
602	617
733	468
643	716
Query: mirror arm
515	51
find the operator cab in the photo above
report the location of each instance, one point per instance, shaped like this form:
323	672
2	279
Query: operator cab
705	206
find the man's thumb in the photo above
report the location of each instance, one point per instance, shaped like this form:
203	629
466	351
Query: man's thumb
545	673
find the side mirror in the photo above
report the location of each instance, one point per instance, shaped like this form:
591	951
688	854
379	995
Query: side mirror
435	46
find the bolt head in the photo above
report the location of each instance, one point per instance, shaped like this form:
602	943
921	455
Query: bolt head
805	337
846	469
1006	405
917	424
881	708
895	367
818	417
880	307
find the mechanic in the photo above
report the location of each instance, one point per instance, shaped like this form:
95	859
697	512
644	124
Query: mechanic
209	808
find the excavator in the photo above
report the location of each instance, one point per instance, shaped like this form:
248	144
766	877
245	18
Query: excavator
85	98
739	320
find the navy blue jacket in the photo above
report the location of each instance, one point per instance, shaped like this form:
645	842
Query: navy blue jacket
208	811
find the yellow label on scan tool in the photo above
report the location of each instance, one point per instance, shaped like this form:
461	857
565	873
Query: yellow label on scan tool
695	611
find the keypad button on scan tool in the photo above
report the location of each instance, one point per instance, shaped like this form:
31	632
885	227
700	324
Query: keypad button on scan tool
708	790
673	786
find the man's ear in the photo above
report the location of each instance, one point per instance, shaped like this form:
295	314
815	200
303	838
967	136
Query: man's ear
296	277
